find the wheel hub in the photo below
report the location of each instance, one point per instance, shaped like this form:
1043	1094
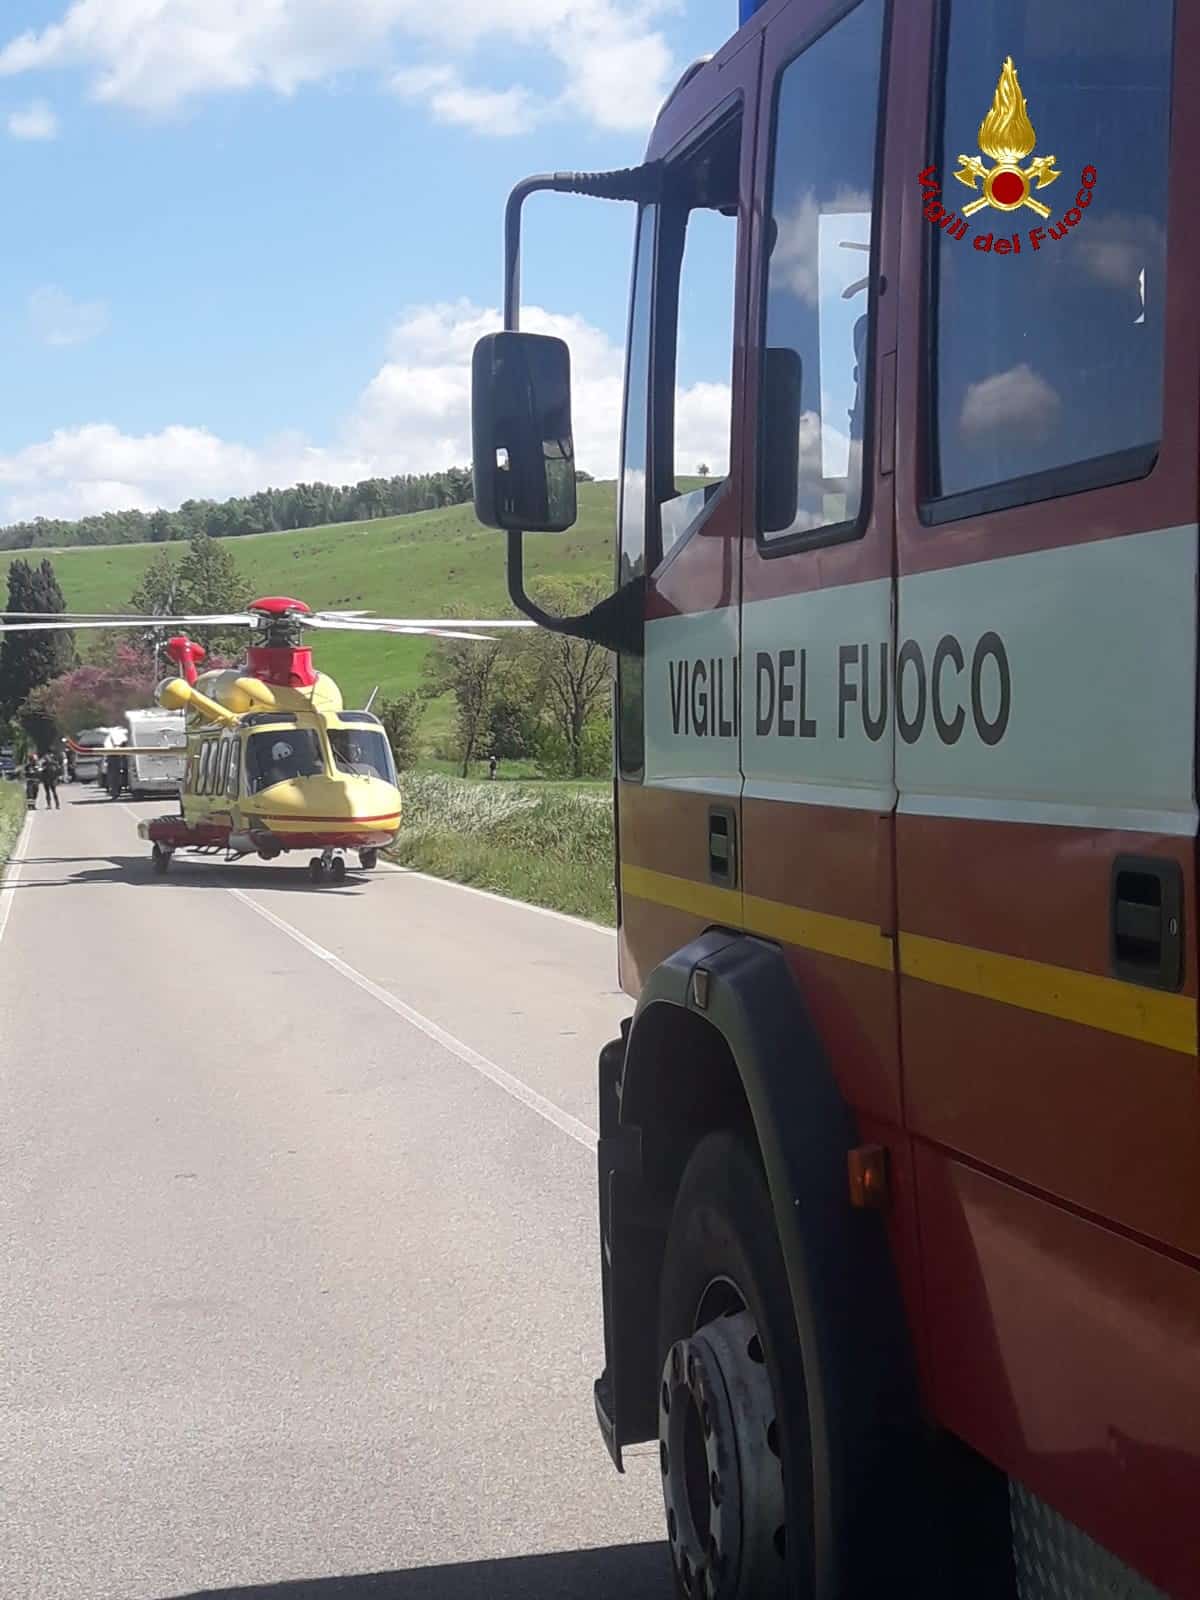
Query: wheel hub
722	1476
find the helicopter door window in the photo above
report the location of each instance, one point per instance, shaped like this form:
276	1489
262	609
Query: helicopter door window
281	756
205	763
363	752
223	769
231	782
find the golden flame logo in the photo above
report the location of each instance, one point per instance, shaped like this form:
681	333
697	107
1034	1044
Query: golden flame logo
1006	135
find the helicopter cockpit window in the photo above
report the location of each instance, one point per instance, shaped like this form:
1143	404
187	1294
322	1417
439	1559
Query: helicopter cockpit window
280	756
362	751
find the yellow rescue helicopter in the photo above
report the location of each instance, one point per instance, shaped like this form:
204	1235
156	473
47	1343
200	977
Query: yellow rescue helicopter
275	762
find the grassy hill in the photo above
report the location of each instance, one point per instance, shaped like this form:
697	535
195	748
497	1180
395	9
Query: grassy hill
415	565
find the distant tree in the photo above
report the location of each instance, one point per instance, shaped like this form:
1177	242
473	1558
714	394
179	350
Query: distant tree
91	696
401	720
583	477
160	593
703	470
27	660
575	674
511	723
209	581
470	672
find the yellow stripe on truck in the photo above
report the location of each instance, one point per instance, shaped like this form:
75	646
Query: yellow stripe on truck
1154	1017
1151	1016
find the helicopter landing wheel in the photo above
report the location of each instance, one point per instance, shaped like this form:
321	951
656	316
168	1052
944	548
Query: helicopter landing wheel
160	860
316	869
337	869
368	860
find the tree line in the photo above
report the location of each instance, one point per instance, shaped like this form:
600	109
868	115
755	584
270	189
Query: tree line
304	505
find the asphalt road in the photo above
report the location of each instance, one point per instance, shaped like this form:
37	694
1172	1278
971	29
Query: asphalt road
298	1237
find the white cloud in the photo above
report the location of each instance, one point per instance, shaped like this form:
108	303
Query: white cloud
35	121
58	320
795	248
414	415
1020	403
497	112
155	54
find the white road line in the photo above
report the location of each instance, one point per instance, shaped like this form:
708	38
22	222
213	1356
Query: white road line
530	1098
13	873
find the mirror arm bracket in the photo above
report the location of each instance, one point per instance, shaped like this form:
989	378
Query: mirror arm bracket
616	623
626	183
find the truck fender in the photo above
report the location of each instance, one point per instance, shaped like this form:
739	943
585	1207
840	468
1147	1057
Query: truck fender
845	1297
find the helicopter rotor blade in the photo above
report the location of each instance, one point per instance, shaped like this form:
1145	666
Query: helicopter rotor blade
367	623
58	620
441	630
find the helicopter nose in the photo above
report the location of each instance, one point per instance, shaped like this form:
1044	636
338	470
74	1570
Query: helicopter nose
334	799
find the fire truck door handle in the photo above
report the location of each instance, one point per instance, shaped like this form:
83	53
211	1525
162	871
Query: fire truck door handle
1146	921
722	845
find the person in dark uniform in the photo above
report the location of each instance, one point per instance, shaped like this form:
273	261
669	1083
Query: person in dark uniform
51	772
33	776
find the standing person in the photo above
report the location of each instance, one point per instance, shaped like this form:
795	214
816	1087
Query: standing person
33	776
51	772
491	766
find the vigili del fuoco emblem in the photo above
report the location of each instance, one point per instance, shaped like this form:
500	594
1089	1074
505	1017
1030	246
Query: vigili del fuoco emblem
1006	135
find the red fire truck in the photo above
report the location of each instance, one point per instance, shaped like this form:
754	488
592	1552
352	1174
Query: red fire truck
900	1154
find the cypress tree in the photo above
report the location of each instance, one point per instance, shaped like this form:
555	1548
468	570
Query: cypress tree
28	660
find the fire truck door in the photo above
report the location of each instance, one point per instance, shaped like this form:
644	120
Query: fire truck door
1045	715
681	493
817	558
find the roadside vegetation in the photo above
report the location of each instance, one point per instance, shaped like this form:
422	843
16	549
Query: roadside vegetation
12	817
550	844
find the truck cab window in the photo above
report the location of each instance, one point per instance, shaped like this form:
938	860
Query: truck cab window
817	339
631	550
694	331
631	557
1047	370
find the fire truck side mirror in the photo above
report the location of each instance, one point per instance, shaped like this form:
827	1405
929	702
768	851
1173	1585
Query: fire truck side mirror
524	454
779	435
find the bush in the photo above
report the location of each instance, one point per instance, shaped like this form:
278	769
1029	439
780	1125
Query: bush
401	720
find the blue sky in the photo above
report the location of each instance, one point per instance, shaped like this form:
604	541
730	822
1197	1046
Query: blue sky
249	244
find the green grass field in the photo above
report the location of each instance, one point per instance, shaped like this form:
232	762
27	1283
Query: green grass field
417	565
550	843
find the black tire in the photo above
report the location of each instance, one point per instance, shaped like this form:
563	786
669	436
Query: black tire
160	860
337	869
723	1259
316	869
368	860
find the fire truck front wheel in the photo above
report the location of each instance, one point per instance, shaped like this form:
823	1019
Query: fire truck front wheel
732	1402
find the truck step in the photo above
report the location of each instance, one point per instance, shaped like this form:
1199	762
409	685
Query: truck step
1055	1560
